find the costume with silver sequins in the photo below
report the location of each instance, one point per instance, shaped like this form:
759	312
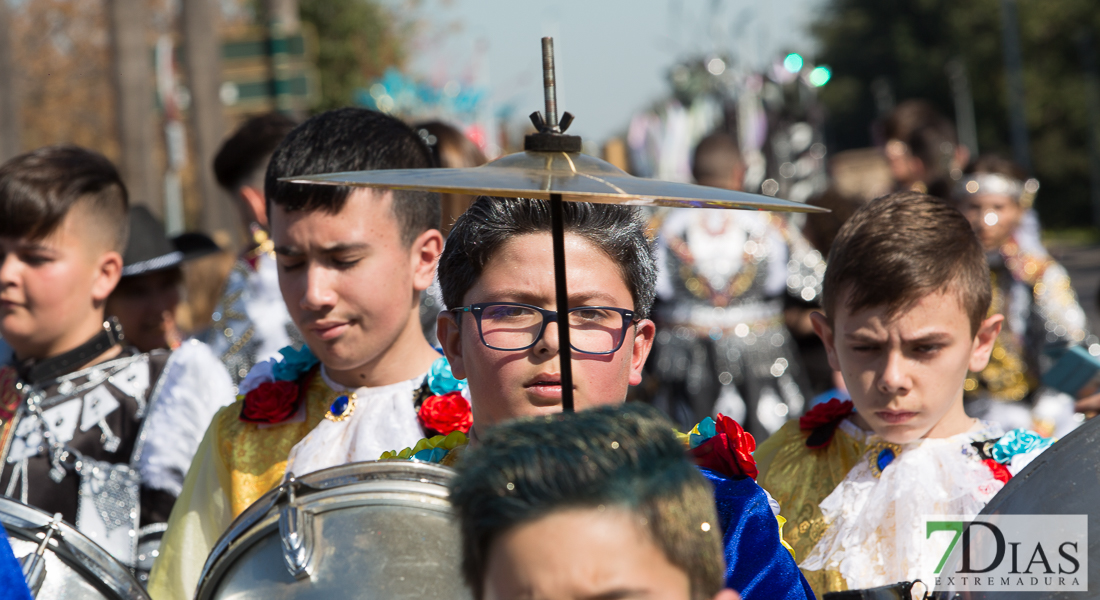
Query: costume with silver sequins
108	446
722	345
251	322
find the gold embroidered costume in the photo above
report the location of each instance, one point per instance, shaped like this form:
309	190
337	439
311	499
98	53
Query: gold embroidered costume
236	463
799	478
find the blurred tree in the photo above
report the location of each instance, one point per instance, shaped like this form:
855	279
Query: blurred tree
358	40
61	48
880	49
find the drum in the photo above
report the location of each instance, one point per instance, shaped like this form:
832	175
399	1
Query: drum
372	530
61	562
1063	480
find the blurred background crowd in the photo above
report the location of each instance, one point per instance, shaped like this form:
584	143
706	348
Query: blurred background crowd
993	105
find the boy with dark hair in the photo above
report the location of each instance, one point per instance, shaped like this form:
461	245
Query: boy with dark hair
637	521
251	323
500	334
906	300
80	413
352	264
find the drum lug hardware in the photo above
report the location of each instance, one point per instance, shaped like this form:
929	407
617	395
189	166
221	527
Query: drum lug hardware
296	533
34	564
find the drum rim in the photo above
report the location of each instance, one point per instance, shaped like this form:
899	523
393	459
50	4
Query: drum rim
312	483
75	549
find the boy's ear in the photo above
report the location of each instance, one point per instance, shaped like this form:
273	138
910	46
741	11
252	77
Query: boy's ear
424	256
108	272
644	331
824	330
256	203
449	334
983	342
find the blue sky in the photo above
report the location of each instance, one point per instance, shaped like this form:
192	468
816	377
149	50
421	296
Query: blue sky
612	55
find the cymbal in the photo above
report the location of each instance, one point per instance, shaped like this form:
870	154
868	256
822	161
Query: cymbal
574	176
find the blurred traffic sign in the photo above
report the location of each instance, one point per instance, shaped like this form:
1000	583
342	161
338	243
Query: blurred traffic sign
269	72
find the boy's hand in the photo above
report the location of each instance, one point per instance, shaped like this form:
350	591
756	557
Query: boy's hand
1088	400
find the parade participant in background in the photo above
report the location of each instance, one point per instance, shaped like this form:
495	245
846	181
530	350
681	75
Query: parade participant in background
725	277
923	149
451	149
352	265
638	522
1034	294
91	429
906	299
500	334
146	298
251	323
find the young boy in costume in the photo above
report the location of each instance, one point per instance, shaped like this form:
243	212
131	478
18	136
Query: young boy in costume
637	522
251	323
906	298
88	427
352	264
726	278
500	334
1034	293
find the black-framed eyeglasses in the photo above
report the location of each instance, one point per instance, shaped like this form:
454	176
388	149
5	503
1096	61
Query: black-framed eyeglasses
510	326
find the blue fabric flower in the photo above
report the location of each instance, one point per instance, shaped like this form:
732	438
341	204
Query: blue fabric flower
442	380
1018	441
431	455
294	363
705	430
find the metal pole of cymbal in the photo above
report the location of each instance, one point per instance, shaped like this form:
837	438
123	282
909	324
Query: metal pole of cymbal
561	291
557	232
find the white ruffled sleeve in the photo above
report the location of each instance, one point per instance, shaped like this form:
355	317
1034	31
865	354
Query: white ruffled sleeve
193	386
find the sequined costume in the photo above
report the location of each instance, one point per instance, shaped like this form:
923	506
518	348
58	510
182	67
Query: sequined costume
854	505
108	446
239	461
759	564
722	345
1033	292
250	322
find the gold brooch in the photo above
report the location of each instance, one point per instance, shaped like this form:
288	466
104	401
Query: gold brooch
880	455
341	408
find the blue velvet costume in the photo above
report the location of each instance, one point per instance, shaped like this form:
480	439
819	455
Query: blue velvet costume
757	564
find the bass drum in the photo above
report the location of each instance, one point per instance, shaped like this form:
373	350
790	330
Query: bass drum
61	562
1063	480
372	530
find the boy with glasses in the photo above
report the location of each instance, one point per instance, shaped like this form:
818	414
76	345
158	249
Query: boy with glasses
496	274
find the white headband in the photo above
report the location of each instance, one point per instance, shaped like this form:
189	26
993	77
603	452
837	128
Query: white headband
995	183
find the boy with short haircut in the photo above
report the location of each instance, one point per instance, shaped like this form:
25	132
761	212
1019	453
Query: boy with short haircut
500	334
638	521
79	412
251	322
906	298
352	264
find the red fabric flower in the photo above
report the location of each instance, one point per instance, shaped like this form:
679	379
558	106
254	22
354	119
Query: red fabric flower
826	413
443	414
729	452
822	421
1000	472
270	402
